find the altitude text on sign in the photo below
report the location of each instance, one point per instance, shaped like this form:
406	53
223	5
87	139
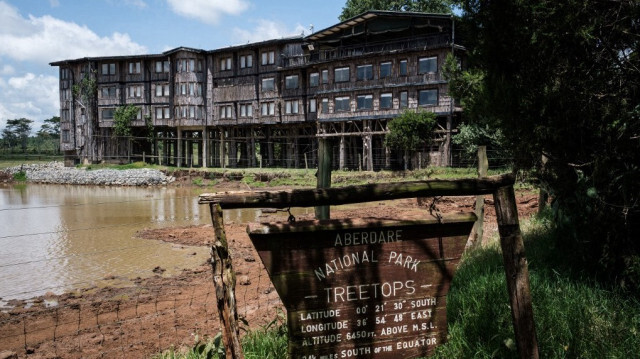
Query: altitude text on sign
363	288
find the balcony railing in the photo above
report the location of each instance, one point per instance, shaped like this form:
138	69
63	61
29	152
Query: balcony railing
345	52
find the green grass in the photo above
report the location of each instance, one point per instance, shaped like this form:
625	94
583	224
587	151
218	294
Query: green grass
267	342
15	160
20	176
575	316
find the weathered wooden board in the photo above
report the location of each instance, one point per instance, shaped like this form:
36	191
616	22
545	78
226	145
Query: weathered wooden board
363	288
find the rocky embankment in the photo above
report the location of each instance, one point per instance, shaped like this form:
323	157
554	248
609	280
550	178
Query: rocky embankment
56	173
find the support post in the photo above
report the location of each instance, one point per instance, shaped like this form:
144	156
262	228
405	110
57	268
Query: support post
543	196
478	228
517	272
324	174
224	281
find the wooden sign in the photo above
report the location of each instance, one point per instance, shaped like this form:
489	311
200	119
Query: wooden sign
363	288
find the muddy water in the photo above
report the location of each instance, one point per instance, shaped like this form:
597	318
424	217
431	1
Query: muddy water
58	238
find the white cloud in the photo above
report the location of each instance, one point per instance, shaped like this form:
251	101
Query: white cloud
46	39
30	96
7	70
208	11
265	30
54	3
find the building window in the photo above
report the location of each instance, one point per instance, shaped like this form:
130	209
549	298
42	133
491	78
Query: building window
268	109
428	97
246	61
162	112
403	68
313	105
268	84
107	114
268	58
342	104
404	99
65	135
314	79
341	74
385	70
364	72
364	102
108	69
134	91
325	76
225	64
226	111
64	74
162	90
386	101
64	116
427	65
134	67
291	82
162	66
108	92
325	105
246	110
291	107
189	65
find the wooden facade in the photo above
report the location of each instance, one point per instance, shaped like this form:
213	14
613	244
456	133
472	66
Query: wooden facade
267	103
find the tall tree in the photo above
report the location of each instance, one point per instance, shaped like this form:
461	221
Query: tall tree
562	78
355	7
17	131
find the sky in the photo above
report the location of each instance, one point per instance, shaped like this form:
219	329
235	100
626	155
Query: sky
34	33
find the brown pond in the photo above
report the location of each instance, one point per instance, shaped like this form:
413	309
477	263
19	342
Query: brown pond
56	238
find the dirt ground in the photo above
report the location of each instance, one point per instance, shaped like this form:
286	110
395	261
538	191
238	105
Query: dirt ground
160	312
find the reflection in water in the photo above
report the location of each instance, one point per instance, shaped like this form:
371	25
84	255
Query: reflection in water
56	238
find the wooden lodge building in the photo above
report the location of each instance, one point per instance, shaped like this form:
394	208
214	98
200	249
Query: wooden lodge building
266	103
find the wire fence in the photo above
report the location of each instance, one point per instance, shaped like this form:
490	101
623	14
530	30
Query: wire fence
144	317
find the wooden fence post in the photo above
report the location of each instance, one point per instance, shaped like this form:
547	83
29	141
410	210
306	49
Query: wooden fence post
517	272
224	280
478	228
324	174
543	196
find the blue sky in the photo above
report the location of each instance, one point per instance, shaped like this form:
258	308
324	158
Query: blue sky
34	33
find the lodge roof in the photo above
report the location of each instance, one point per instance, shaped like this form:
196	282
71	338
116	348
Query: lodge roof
392	21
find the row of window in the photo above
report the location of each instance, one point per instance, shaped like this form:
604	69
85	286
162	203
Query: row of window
363	102
342	74
162	90
135	68
365	72
183	65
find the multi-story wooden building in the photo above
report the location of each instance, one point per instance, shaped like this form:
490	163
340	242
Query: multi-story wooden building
266	103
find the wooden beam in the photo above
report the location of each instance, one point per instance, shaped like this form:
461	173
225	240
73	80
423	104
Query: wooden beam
517	272
357	194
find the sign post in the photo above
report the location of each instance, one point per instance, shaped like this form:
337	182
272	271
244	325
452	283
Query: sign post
362	288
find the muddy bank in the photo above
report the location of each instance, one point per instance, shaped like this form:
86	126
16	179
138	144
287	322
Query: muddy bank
159	312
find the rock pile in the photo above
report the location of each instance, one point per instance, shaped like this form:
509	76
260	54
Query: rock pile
56	173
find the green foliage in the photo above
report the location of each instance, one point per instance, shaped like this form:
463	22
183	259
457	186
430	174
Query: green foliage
16	132
122	118
472	135
575	317
561	79
20	176
412	130
86	90
356	7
